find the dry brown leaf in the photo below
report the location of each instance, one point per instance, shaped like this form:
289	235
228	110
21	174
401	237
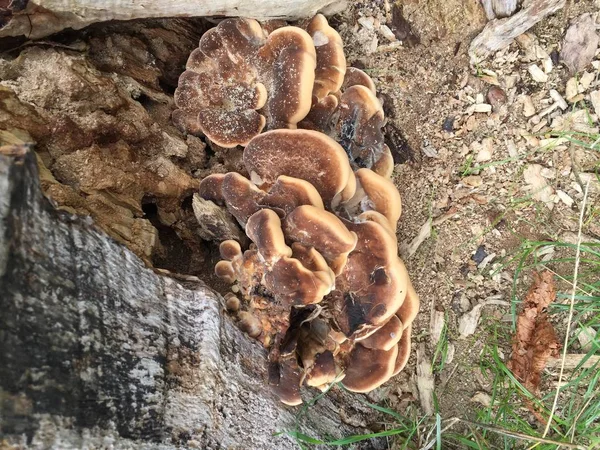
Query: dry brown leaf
535	340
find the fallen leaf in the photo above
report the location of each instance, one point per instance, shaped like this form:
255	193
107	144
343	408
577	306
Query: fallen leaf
580	43
535	340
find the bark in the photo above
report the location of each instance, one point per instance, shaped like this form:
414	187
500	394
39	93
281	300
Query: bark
499	33
98	351
39	18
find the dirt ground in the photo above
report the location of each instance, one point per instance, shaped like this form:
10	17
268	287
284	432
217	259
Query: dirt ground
485	214
475	175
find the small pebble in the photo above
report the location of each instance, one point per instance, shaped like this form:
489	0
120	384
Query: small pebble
479	255
482	108
367	22
448	124
496	97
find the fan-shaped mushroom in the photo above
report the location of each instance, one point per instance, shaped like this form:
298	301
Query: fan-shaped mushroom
240	80
321	284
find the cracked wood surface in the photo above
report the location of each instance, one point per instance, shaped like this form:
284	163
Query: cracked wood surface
97	350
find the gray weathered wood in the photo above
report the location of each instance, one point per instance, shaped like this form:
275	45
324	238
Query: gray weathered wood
499	33
44	17
98	351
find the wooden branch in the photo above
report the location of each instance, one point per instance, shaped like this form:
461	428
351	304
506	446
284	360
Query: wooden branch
44	17
499	33
96	350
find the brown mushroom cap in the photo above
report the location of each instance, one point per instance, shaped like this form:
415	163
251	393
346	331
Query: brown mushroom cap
374	216
293	284
311	259
323	371
303	154
238	80
219	93
384	166
241	196
403	351
288	193
385	337
249	324
410	307
360	124
382	195
331	62
356	77
211	188
232	302
372	285
289	56
230	249
225	271
285	378
367	369
314	227
264	228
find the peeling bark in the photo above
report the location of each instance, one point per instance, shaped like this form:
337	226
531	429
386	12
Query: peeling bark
39	18
96	350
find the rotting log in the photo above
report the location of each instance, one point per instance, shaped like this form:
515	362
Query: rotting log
98	351
39	18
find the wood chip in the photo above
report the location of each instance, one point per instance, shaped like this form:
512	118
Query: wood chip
537	184
595	99
482	398
586	81
467	324
387	33
498	34
565	198
425	380
571	89
486	150
528	108
407	250
436	325
537	74
562	104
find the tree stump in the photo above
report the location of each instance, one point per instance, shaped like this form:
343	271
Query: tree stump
99	351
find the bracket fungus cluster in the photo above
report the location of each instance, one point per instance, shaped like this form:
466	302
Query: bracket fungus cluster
322	285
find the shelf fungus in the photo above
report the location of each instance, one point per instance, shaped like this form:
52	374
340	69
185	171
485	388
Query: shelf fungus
240	80
245	78
321	284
